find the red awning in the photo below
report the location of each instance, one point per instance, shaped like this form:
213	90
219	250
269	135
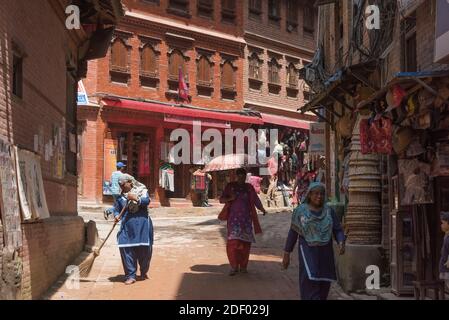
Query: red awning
286	122
180	111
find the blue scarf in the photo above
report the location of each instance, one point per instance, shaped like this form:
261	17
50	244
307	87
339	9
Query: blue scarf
315	229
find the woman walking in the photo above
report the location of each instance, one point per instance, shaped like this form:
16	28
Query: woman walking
241	201
135	237
313	222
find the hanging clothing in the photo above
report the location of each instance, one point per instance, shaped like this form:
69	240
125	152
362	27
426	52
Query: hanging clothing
167	178
255	181
144	160
115	187
199	181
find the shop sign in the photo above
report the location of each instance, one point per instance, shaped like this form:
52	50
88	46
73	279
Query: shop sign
110	162
82	98
317	143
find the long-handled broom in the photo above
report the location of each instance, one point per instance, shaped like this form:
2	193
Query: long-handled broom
86	266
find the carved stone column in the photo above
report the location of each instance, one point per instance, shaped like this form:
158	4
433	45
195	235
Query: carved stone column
363	220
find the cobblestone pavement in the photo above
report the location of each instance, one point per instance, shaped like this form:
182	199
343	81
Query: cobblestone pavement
189	262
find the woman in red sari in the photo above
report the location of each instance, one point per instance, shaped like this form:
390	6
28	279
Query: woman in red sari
241	201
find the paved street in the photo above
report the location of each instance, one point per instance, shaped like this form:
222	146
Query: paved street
189	262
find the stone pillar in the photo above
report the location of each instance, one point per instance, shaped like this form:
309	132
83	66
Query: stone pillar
363	219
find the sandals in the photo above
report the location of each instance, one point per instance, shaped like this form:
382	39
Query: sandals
233	272
130	281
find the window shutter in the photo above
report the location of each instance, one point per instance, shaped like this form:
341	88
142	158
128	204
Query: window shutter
228	76
149	65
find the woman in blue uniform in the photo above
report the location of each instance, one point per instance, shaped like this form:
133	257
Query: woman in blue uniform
135	237
313	223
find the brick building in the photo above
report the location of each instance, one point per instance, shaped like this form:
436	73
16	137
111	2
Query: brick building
281	39
207	41
40	64
355	67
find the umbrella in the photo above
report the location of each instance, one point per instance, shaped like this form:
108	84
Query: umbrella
231	161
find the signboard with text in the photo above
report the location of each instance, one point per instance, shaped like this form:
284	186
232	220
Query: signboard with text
317	143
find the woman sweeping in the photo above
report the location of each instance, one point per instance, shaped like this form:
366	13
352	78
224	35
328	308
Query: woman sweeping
313	222
241	201
135	237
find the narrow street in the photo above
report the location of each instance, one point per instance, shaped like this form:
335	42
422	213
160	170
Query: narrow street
189	262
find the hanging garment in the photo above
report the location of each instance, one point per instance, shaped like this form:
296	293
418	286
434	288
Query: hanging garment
199	181
167	178
144	160
376	137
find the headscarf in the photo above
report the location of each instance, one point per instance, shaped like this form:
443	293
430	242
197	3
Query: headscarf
138	188
315	229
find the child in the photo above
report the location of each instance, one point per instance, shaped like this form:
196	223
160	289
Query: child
444	260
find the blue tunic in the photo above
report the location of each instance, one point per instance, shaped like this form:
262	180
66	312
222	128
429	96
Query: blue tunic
318	261
136	228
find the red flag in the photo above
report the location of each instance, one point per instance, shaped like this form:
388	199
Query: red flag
183	90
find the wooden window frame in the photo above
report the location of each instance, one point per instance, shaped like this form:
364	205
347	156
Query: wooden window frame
309	16
274	62
17	76
174	7
228	15
228	92
292	24
277	4
201	83
409	34
120	71
256	10
205	10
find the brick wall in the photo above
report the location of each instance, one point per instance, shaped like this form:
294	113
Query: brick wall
99	79
159	8
45	44
261	34
48	247
262	25
44	88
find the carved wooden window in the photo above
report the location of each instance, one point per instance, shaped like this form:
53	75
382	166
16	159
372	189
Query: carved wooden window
148	61
255	71
17	76
292	76
179	7
228	10
119	56
273	71
228	78
205	71
176	61
205	8
255	7
274	10
119	67
292	15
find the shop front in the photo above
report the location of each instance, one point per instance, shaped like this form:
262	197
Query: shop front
409	122
138	133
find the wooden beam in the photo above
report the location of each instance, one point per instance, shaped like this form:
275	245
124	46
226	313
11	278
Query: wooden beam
363	79
323	118
342	102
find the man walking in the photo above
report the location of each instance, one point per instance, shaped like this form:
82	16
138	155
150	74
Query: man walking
115	186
